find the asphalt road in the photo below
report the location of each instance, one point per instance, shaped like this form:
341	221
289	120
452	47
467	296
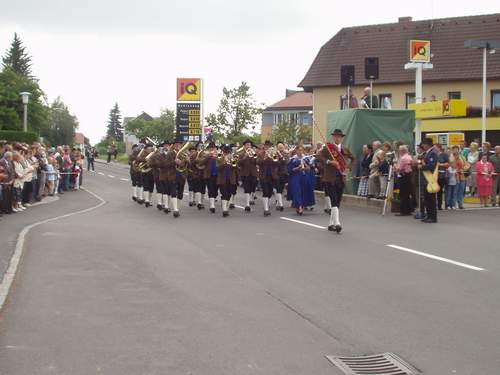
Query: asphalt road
126	289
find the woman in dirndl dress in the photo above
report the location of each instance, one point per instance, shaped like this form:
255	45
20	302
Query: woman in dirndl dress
364	170
300	185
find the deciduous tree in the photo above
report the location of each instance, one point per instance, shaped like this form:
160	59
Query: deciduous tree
62	124
237	111
158	129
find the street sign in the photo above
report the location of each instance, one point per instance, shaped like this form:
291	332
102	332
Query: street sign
188	89
188	121
420	50
440	108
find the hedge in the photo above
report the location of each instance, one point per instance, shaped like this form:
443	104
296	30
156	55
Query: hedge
18	136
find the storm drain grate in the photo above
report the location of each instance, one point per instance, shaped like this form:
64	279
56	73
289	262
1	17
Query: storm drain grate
377	364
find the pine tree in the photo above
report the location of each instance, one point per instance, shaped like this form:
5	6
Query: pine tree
17	58
115	130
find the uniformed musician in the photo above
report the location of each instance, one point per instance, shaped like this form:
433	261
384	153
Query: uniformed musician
134	174
146	174
334	158
283	157
248	172
209	159
268	174
226	177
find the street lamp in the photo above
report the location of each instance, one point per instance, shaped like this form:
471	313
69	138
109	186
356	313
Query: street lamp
488	46
26	97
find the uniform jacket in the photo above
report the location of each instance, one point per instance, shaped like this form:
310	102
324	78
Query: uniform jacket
205	161
330	172
268	168
197	170
430	160
283	167
248	166
166	164
226	173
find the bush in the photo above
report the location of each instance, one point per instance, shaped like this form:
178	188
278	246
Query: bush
18	136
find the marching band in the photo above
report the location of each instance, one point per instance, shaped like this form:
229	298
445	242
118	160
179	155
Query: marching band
214	171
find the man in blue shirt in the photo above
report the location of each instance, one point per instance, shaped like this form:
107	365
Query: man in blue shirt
429	163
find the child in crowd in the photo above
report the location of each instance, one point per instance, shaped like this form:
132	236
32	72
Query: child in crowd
51	175
451	187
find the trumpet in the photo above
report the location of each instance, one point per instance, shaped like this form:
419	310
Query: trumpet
251	153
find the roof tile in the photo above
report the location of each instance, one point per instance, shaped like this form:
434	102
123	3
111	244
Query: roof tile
390	43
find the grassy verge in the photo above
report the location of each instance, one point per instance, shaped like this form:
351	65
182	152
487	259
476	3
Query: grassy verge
121	158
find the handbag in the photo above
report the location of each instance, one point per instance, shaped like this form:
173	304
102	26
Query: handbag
432	180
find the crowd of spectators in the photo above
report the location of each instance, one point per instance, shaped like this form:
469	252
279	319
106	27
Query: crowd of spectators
463	171
28	173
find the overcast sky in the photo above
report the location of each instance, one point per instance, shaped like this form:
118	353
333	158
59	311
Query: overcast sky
95	53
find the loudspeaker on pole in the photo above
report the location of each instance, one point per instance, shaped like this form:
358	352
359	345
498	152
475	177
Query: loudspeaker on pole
371	68
347	75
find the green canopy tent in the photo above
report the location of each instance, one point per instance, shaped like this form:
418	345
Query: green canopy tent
362	126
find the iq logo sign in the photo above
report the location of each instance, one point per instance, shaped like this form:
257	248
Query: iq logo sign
188	89
420	51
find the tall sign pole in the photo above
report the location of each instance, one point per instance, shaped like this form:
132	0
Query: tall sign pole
420	56
483	120
189	116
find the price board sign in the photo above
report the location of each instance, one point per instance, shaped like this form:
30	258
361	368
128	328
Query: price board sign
188	121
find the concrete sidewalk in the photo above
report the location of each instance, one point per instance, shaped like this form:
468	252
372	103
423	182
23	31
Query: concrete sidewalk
11	225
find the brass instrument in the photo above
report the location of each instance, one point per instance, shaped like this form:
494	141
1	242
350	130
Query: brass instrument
251	153
143	166
183	156
238	153
200	156
231	160
272	153
234	162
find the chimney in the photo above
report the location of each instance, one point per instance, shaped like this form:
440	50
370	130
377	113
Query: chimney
404	19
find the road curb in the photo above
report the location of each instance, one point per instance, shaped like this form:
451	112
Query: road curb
8	277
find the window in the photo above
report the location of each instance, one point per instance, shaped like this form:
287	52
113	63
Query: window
495	99
454	95
410	98
385	101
